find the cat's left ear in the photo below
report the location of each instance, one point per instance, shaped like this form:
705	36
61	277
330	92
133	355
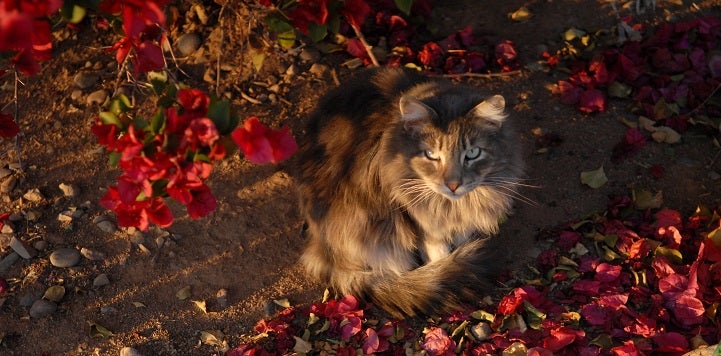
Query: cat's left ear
491	111
414	113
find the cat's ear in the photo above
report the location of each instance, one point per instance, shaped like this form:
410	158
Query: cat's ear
414	113
491	111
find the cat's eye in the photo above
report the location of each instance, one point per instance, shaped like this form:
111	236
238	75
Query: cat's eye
431	155
473	153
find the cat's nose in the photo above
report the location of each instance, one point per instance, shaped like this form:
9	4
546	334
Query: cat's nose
453	186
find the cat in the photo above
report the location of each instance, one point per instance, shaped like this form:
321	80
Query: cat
401	177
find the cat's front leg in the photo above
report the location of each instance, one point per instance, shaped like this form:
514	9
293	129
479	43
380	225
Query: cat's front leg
435	249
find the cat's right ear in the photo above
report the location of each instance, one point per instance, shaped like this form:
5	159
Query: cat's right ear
414	113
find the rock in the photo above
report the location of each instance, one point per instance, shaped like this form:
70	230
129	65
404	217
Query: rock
40	245
97	97
28	299
65	217
42	308
69	190
292	71
8	184
309	54
188	43
221	297
481	331
107	226
76	95
129	351
22	249
34	195
8	261
319	70
108	310
92	255
84	80
32	214
7	229
101	280
65	257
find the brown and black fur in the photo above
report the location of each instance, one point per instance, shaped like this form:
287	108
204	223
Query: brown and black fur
401	177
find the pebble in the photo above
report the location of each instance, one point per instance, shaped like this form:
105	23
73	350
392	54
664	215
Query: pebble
22	249
92	255
188	43
42	308
76	95
319	70
292	71
32	214
34	195
309	55
28	299
129	351
7	229
65	257
69	190
221	297
40	245
84	80
108	310
65	217
107	226
8	184
8	261
97	97
481	331
101	280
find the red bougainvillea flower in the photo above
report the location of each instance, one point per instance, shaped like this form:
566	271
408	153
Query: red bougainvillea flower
8	127
437	342
307	12
3	286
261	144
195	102
25	29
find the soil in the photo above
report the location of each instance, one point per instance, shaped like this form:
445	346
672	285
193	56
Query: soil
249	247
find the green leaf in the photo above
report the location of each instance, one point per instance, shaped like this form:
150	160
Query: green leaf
73	13
97	330
482	315
673	255
404	5
108	118
317	32
157	123
219	112
120	105
258	59
113	159
595	178
535	317
285	31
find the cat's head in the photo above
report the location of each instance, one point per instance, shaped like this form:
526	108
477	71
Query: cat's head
456	142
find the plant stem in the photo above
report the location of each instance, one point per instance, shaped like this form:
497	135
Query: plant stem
17	113
368	48
482	75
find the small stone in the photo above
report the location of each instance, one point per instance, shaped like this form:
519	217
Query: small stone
108	310
40	245
188	43
7	229
42	308
69	190
76	95
84	80
129	351
28	299
8	261
92	255
107	226
319	70
34	195
8	184
481	331
65	217
97	97
714	175
221	297
101	280
292	71
65	257
309	54
25	251
160	241
144	249
32	214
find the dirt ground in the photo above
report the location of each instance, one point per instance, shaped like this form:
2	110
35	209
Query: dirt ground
248	249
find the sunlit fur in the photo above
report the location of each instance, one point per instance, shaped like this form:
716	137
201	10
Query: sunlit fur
396	215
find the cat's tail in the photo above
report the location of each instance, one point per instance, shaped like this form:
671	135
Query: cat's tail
444	285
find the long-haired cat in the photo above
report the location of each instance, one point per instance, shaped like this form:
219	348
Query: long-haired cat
401	177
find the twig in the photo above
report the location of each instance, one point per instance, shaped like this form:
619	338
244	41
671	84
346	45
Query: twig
220	50
368	48
482	75
17	113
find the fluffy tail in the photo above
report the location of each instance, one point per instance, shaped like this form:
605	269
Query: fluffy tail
441	286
